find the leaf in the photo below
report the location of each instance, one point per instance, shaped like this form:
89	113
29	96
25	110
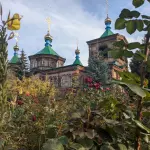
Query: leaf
122	147
2	142
90	134
146	22
136	89
86	143
51	131
120	23
146	113
115	53
145	17
63	140
127	53
53	144
119	44
76	146
135	14
125	13
148	1
146	104
140	125
131	26
1	11
138	3
133	45
139	25
107	147
11	36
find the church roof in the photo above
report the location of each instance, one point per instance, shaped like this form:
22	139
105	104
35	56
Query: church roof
47	50
77	62
15	59
107	33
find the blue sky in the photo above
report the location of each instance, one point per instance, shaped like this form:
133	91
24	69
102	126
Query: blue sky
71	20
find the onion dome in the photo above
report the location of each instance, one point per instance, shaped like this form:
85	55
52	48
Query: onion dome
48	36
77	61
108	31
15	59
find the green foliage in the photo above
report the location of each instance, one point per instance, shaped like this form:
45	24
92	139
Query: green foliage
98	70
139	65
138	3
24	63
53	144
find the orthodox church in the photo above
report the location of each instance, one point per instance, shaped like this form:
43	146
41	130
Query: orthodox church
47	62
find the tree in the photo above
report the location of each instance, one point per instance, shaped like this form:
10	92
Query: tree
10	24
98	70
24	62
132	21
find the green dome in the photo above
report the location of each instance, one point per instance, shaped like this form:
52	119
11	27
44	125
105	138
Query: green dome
15	59
47	51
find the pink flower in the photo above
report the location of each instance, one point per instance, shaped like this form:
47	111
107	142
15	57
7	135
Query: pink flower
88	80
107	89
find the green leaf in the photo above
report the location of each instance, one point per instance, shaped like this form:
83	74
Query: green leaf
133	45
139	25
125	13
146	113
120	23
145	17
127	53
146	22
76	146
140	125
2	142
63	140
139	56
51	133
136	89
115	53
131	26
53	144
135	14
86	143
122	147
138	3
146	104
148	1
107	147
119	44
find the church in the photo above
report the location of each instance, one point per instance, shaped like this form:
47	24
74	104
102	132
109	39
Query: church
48	63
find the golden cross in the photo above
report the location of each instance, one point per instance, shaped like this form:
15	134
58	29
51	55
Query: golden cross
107	7
77	43
48	22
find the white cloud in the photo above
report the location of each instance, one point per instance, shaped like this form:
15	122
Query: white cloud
69	22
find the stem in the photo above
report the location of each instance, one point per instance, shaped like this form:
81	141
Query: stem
139	106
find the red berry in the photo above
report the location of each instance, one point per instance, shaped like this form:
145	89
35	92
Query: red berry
33	118
27	93
19	102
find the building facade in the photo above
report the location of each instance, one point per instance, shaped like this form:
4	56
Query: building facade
47	63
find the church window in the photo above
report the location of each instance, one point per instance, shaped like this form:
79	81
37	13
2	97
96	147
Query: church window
66	81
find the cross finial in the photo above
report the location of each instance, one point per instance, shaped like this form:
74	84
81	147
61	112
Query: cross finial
107	7
48	20
16	37
77	43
